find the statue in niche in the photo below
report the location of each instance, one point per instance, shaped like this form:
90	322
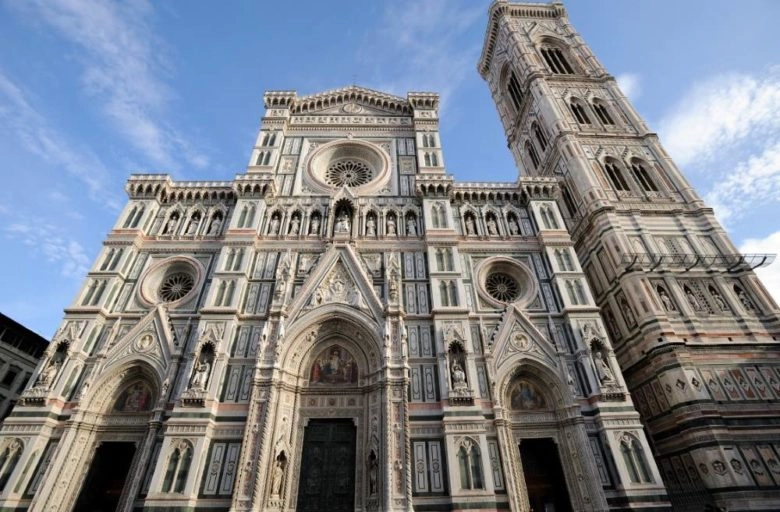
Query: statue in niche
458	378
601	363
370	226
274	226
666	300
314	227
492	226
743	298
342	223
192	228
200	376
627	311
47	376
411	227
373	470
295	225
471	227
393	286
391	226
718	299
170	226
216	225
277	479
513	227
692	300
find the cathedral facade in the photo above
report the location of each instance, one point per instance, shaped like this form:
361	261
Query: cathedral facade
345	327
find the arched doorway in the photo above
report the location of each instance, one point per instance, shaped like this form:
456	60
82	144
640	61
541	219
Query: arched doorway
104	444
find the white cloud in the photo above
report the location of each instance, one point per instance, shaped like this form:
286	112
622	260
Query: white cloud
123	62
22	120
425	56
46	240
769	275
630	84
720	112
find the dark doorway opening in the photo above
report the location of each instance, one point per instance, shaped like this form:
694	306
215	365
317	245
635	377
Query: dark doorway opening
106	477
327	467
544	479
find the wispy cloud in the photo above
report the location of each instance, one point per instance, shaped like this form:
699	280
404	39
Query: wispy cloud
770	275
46	240
630	84
727	128
426	56
721	112
21	120
123	68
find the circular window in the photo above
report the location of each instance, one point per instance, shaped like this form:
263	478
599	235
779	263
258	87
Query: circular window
362	166
172	280
176	285
503	280
348	172
502	286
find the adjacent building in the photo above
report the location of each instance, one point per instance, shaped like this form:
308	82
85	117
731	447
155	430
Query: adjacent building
345	327
20	351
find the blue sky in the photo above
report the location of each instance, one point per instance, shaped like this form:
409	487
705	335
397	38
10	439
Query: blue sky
91	92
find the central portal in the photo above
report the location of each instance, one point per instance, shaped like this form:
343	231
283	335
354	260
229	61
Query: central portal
328	467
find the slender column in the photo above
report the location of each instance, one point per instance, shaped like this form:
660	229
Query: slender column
135	475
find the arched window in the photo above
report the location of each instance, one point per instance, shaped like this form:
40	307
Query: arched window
432	140
130	217
427	158
178	468
559	259
8	461
230	256
531	152
272	140
266	138
568	201
137	217
250	218
556	61
567	260
634	458
580	290
452	289
515	93
643	176
540	137
434	160
579	111
470	466
220	294
445	297
615	176
601	111
107	259
571	293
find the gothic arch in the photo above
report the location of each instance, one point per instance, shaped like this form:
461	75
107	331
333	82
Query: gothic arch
103	393
552	386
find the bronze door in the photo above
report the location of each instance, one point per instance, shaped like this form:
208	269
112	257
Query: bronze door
327	467
106	477
547	491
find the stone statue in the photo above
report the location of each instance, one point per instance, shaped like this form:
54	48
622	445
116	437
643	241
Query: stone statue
192	228
719	301
391	226
314	227
216	225
274	228
342	223
471	228
667	302
492	227
47	376
411	227
743	298
370	227
372	476
603	371
277	478
692	300
513	227
200	376
170	226
295	225
458	378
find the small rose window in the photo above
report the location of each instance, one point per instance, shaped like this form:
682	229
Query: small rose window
502	287
176	285
348	172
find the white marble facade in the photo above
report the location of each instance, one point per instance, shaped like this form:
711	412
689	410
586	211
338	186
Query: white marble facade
346	276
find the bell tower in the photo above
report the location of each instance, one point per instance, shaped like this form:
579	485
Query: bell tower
694	330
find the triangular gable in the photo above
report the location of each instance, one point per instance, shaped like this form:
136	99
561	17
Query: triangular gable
517	335
338	278
150	340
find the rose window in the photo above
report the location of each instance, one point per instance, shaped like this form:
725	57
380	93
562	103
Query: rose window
502	287
176	285
348	172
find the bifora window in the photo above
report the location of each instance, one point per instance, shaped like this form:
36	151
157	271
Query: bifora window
349	172
176	285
